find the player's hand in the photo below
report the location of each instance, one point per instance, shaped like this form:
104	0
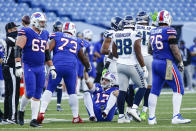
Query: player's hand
19	70
89	69
145	71
53	72
181	66
104	71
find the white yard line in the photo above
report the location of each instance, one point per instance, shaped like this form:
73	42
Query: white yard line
188	109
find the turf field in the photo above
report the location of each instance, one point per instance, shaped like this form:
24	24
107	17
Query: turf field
62	120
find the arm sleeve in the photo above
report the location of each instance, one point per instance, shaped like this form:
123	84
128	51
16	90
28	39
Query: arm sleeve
171	31
22	31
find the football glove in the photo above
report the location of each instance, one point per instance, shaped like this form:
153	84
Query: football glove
19	70
104	71
154	16
181	66
145	71
107	34
53	72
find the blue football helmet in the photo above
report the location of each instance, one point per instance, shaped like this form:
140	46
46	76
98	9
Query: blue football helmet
116	23
57	26
128	21
142	18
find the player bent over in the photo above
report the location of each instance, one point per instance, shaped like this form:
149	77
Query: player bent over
164	47
101	99
35	51
66	49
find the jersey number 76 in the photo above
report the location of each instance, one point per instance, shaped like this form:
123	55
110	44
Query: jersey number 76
157	40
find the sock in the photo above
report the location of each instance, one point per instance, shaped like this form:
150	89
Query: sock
130	96
144	109
177	100
84	86
35	108
78	85
46	97
121	101
59	95
121	115
152	102
146	97
89	103
111	102
24	102
139	95
73	102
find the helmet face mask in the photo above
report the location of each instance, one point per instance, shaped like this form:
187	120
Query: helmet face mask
164	17
69	27
38	20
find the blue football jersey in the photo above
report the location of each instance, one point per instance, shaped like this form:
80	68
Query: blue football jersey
66	48
159	42
100	97
34	50
90	51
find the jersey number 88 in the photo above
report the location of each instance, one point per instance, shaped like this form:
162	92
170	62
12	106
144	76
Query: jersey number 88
124	46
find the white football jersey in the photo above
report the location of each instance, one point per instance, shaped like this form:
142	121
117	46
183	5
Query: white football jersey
145	32
124	41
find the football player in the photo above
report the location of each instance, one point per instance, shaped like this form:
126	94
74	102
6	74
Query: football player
32	45
100	100
130	65
66	48
57	27
164	47
142	26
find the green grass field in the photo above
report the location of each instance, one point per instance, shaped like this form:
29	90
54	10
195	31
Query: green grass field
62	120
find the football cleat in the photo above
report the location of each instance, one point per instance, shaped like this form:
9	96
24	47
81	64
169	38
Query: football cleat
123	119
77	120
143	116
34	123
58	108
21	118
178	119
40	117
93	119
133	113
152	121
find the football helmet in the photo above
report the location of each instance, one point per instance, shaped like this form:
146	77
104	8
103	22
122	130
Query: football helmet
38	19
129	22
109	76
79	35
142	18
69	27
87	34
116	23
164	17
57	26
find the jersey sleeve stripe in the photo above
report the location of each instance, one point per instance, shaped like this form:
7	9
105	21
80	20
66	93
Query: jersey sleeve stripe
21	32
171	32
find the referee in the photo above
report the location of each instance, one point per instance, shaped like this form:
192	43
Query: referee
12	83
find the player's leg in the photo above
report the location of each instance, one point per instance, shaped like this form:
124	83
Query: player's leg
177	85
110	103
30	87
47	95
158	79
148	63
70	79
139	81
35	101
123	85
88	102
59	95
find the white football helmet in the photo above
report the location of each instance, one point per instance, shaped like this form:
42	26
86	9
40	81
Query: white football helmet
109	76
164	17
69	27
38	19
88	34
